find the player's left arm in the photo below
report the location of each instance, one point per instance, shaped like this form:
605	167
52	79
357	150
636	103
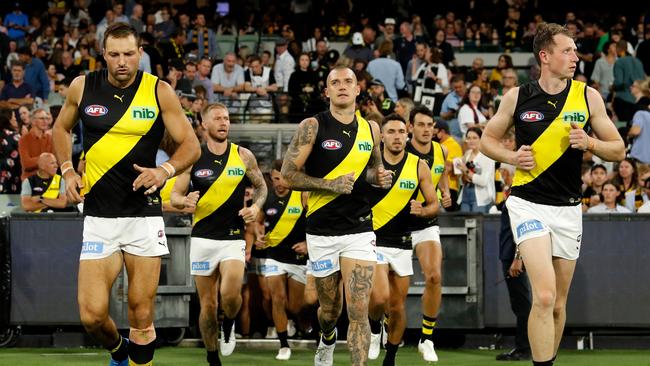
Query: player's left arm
376	174
428	191
181	132
608	145
259	185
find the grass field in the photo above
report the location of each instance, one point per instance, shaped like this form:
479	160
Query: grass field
406	356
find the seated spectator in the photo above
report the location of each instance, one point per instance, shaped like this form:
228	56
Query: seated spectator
24	116
57	96
164	29
228	81
9	159
380	98
451	104
591	195
310	45
645	208
17	93
36	142
470	113
68	69
431	78
627	182
45	190
609	193
504	62
440	42
259	80
477	173
85	61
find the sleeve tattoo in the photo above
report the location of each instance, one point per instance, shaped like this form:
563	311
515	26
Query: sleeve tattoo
297	179
255	175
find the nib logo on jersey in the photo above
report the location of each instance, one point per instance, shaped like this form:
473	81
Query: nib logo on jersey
294	210
364	146
406	184
235	172
143	113
574	116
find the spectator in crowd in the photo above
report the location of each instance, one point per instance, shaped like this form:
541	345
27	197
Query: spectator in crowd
451	103
204	37
369	35
640	90
639	133
173	48
504	62
477	67
155	57
470	114
379	98
57	96
44	190
591	195
10	162
341	29
35	74
166	27
477	174
259	80
228	80
586	42
203	78
431	79
303	89
135	20
603	74
609	205
87	62
454	150
109	19
357	50
441	43
451	37
24	116
186	82
68	69
285	65
512	31
627	69
419	29
17	24
403	107
406	44
419	58
36	142
75	16
310	44
626	179
387	70
17	93
388	32
645	208
643	50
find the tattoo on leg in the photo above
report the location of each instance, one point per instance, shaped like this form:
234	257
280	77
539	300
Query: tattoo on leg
360	282
209	328
359	286
330	300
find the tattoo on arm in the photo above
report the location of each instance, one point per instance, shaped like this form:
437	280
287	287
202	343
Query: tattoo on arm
298	180
255	175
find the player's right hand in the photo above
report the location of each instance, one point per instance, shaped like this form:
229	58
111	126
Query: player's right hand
516	268
73	184
446	200
525	159
343	184
191	199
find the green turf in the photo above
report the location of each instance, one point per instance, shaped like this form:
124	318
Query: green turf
406	356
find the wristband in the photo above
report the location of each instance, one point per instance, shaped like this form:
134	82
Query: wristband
170	170
591	143
66	169
66	162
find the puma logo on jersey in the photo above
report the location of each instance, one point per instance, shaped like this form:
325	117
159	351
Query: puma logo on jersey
218	162
346	133
281	203
554	104
119	97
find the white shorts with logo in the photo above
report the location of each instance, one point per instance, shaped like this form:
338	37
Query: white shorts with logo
297	272
141	236
206	254
399	261
432	233
531	220
325	251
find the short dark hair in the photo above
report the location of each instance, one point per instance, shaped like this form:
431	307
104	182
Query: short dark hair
598	166
121	30
392	117
420	109
17	63
476	130
277	165
544	37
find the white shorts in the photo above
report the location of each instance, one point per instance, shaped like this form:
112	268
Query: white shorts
432	233
141	236
325	251
399	261
531	220
255	265
206	254
296	272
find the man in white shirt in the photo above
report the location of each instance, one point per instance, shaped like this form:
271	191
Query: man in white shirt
227	81
285	65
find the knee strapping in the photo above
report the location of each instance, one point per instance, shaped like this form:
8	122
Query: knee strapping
143	336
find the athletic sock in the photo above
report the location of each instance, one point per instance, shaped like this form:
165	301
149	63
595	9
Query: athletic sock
391	351
141	354
375	326
213	358
427	328
119	351
543	363
227	327
283	339
329	338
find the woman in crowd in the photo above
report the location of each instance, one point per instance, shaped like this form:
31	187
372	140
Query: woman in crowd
9	160
477	173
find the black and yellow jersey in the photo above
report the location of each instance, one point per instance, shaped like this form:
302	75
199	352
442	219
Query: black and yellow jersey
46	188
435	159
391	207
340	149
221	182
121	127
543	121
284	221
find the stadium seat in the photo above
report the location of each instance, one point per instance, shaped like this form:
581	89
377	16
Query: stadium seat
226	43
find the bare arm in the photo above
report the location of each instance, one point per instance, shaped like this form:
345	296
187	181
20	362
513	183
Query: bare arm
31	203
497	127
634	131
255	176
428	190
609	144
294	160
177	197
375	162
22	101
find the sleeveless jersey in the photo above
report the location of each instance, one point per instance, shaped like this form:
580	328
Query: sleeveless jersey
285	226
435	159
543	121
220	180
340	149
391	207
121	127
46	188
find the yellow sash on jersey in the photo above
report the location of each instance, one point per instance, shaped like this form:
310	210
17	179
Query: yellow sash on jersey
222	188
437	167
355	161
399	195
136	122
287	221
52	190
554	141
